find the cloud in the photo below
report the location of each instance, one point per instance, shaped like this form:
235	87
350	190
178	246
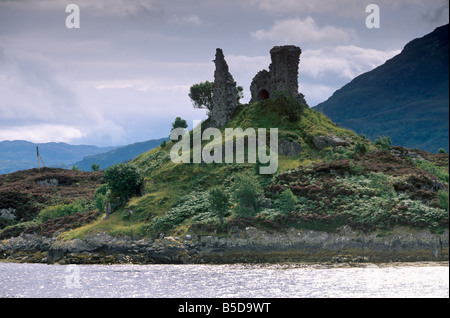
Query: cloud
437	15
343	8
118	8
296	30
345	61
41	133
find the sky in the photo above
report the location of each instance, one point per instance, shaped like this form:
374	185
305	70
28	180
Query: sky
124	75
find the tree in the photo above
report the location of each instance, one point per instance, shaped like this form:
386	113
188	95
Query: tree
247	193
124	181
95	167
201	95
442	150
219	202
179	123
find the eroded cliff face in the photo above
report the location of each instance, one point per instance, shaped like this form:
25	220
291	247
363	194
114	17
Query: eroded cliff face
249	245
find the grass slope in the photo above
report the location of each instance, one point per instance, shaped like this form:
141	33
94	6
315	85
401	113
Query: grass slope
332	187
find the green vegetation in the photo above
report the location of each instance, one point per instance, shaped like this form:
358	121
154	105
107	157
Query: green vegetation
219	202
361	184
201	95
56	211
287	201
383	143
179	123
124	181
247	194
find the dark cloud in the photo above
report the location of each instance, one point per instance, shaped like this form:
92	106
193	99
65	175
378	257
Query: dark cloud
438	15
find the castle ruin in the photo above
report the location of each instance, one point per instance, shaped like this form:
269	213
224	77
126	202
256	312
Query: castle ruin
225	96
281	77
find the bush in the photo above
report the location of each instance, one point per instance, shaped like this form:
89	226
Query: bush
247	193
52	212
289	106
443	200
383	143
219	202
95	167
442	150
124	181
361	148
287	201
380	183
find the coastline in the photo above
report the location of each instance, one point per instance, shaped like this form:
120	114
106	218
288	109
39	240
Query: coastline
244	246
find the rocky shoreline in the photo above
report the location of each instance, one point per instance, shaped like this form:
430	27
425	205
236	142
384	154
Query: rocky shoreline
249	245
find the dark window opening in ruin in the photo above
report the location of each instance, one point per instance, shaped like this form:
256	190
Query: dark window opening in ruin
263	95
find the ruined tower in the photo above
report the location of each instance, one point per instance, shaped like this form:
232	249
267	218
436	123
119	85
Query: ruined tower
282	74
225	96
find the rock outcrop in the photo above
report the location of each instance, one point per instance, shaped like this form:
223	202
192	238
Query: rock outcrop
225	96
247	245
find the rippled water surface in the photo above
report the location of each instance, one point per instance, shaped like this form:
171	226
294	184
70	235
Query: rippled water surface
193	281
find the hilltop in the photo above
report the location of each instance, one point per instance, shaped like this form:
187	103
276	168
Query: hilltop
407	98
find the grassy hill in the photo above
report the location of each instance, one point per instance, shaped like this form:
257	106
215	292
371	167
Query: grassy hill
406	98
324	186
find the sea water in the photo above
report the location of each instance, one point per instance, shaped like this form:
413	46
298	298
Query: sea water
225	281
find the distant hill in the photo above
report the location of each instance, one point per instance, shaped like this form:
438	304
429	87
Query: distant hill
119	154
20	155
407	98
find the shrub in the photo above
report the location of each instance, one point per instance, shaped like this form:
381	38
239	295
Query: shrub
383	143
61	210
380	183
361	148
247	193
287	201
95	167
442	150
443	200
124	181
289	106
219	202
187	207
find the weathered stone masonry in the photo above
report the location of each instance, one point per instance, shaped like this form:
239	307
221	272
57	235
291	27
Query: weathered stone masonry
225	97
281	77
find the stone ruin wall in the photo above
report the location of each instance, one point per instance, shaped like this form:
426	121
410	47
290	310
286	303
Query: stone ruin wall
281	77
282	74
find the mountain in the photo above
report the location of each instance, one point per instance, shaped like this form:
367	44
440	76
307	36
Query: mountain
20	155
119	154
407	98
